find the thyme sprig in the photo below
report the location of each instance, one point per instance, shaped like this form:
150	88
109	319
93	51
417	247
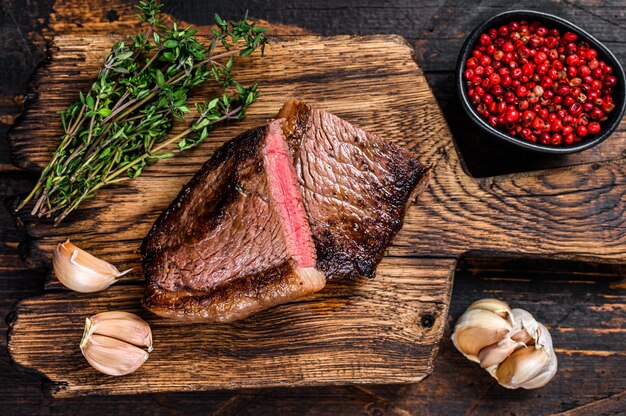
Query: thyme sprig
117	129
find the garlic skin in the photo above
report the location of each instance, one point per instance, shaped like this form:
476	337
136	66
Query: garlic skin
116	343
509	343
80	271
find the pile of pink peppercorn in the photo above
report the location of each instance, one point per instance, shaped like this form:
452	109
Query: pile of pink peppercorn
539	84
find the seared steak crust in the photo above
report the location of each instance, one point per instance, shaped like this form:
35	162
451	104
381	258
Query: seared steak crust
236	299
219	251
355	185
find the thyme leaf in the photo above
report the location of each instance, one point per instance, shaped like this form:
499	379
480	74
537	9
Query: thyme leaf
120	127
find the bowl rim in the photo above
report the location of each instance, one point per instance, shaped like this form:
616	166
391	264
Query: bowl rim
618	72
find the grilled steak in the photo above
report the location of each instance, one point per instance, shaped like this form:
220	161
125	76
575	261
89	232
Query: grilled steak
355	185
273	212
236	239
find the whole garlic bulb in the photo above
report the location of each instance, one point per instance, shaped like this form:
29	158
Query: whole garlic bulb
116	343
80	271
509	343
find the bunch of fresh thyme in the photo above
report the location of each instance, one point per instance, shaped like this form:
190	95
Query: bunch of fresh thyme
119	127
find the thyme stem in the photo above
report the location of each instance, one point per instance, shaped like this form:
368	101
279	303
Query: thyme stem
119	127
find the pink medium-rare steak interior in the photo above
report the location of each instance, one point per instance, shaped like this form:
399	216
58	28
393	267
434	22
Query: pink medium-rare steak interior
286	195
201	242
236	239
355	185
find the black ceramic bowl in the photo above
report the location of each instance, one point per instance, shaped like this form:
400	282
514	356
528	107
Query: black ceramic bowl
619	95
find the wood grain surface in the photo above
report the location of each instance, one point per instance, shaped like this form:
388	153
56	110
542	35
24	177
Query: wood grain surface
581	303
576	212
382	330
372	81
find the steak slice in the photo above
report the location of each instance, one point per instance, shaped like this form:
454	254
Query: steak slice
236	239
274	212
355	185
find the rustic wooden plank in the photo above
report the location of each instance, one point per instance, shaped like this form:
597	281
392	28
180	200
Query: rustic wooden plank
387	57
326	17
456	386
613	404
25	30
20	393
571	307
119	16
394	101
575	212
376	68
586	317
382	330
487	264
23	47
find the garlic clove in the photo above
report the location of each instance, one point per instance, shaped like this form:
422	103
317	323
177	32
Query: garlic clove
509	343
493	305
112	356
522	367
122	325
524	320
494	354
544	341
522	336
112	342
477	329
529	367
80	271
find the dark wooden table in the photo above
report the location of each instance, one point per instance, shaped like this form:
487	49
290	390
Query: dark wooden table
582	304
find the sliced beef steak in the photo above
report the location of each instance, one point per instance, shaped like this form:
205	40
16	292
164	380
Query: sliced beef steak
274	212
355	185
236	239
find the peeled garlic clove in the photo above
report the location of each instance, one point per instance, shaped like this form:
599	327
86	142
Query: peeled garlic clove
112	342
494	354
493	305
80	271
477	329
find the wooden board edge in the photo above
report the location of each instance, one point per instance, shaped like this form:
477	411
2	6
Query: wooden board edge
61	391
443	321
10	321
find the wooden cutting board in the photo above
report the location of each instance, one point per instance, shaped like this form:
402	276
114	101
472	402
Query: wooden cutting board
384	330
